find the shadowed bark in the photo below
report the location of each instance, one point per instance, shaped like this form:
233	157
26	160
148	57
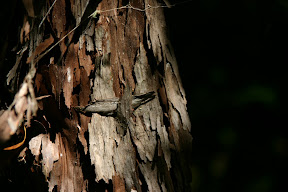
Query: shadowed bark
120	65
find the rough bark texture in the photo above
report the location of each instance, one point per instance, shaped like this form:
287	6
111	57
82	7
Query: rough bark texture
124	51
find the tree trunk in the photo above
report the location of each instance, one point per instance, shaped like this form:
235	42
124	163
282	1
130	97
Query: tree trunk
119	55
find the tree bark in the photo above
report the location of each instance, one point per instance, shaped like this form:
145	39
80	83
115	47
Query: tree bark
121	53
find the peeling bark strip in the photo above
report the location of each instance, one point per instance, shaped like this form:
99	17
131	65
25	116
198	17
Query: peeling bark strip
115	64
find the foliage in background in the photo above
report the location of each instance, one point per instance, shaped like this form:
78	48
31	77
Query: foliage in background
232	56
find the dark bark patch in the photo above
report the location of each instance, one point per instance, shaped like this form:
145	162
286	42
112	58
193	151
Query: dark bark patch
40	48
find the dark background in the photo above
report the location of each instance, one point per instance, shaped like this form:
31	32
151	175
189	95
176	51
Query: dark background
232	57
